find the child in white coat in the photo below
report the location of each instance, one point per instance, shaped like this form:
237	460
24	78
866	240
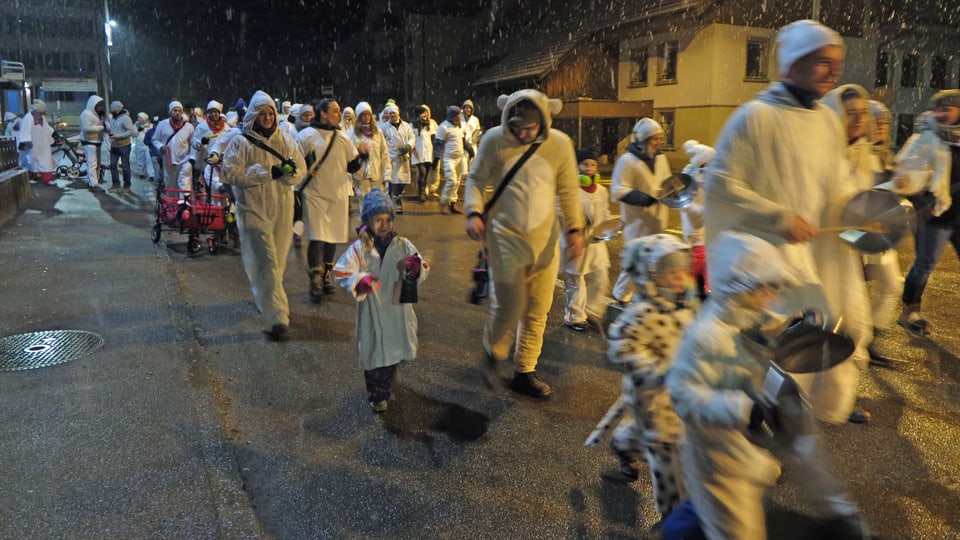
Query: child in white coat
380	270
587	280
715	384
643	339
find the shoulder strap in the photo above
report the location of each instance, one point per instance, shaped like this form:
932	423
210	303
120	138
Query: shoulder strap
316	165
510	174
260	144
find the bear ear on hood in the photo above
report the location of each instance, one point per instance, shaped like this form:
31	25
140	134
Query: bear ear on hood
555	106
502	101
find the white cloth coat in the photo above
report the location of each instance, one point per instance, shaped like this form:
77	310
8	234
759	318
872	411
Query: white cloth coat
423	145
91	124
40	136
264	211
397	137
776	158
376	169
326	199
386	332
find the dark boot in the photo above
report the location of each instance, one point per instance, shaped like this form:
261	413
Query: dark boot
529	384
422	193
454	210
328	286
398	203
317	286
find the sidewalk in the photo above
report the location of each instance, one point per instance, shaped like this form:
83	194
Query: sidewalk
124	442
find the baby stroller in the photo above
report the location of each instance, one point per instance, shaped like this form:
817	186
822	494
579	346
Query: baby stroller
70	151
194	213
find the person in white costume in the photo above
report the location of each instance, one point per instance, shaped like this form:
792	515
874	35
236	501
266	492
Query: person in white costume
522	230
635	183
262	184
780	173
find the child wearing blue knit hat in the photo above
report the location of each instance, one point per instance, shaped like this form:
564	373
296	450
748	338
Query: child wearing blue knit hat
382	271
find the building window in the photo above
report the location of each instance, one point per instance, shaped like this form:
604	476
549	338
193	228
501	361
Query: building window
667	66
641	61
938	72
757	59
881	78
911	71
904	128
667	119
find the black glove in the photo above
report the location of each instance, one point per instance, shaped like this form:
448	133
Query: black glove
468	148
764	417
639	198
288	167
204	140
276	172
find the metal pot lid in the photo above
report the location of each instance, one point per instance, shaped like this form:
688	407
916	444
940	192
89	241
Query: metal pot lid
678	191
876	221
808	349
606	230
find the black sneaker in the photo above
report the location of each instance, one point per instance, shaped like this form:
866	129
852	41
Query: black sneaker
859	416
576	326
915	324
529	384
276	333
628	467
316	287
454	209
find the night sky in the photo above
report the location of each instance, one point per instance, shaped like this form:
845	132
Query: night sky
224	50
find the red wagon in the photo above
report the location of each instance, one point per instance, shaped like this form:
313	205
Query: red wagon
193	213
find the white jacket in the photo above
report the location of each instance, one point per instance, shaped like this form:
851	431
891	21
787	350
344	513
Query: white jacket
926	155
326	210
377	167
91	124
173	145
398	137
423	147
596	256
630	173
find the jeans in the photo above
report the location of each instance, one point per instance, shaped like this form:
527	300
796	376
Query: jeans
116	154
929	242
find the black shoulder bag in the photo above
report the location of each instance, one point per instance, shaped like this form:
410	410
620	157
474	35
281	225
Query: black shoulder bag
481	270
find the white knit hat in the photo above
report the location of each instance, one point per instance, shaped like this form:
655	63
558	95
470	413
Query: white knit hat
800	38
214	104
646	128
391	109
173	105
699	154
143	117
362	107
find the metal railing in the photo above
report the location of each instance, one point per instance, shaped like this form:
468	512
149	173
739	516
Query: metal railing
8	154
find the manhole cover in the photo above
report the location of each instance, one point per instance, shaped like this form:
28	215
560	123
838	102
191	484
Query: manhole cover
42	349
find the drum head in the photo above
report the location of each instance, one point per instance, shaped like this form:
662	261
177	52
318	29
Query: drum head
678	191
883	219
606	230
809	349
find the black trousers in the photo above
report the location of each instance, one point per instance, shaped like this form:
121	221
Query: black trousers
379	382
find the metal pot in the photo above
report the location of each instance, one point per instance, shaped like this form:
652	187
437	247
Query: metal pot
678	191
874	221
605	230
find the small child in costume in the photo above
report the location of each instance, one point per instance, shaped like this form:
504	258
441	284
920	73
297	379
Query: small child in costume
587	280
716	385
375	269
691	217
643	338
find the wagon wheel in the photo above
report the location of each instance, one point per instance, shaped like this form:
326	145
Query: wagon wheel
155	234
73	172
194	245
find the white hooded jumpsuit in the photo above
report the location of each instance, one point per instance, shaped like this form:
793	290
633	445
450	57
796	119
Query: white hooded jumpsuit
775	159
91	137
522	230
265	209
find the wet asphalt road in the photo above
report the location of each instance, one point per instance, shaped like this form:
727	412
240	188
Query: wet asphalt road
187	424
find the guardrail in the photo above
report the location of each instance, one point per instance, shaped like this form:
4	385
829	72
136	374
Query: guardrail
8	154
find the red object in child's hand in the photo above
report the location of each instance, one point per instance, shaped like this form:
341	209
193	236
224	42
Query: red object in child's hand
367	284
413	264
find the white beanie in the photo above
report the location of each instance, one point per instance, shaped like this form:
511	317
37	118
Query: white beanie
295	110
173	105
8	116
391	108
142	117
285	104
646	128
362	107
699	154
214	104
800	38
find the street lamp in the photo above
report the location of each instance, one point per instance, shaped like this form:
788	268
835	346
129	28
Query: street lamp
108	26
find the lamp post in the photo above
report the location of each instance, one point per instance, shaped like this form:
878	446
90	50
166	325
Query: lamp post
108	25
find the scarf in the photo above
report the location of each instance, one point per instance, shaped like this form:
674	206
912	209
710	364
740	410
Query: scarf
37	118
589	189
218	127
266	133
366	129
805	97
640	150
